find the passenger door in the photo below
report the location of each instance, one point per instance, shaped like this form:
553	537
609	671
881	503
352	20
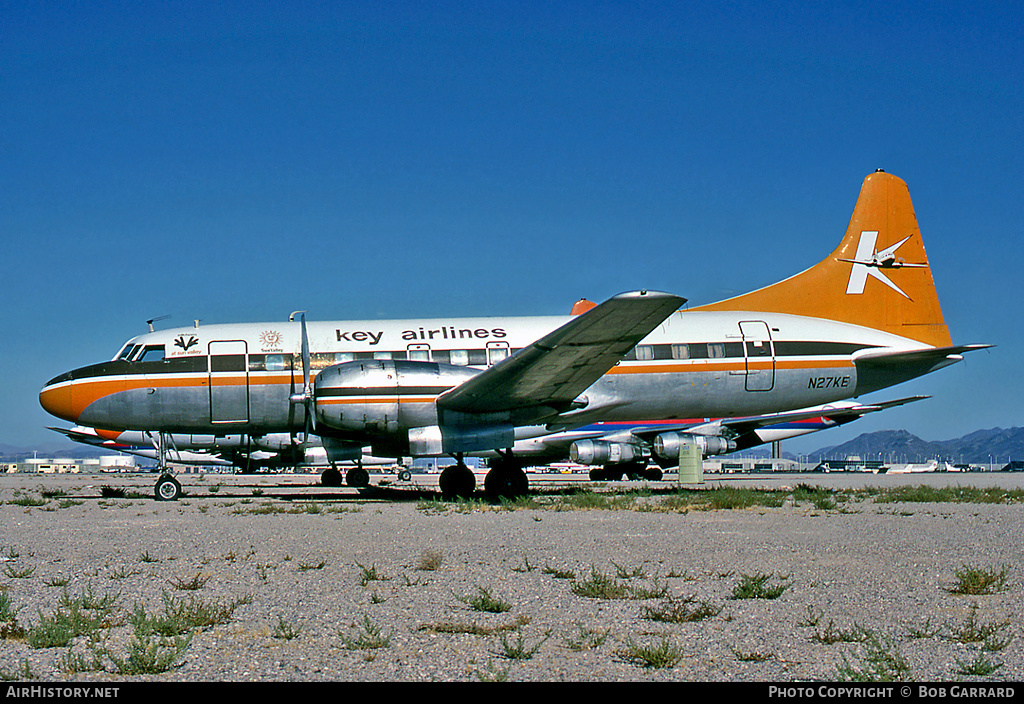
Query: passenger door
758	355
229	381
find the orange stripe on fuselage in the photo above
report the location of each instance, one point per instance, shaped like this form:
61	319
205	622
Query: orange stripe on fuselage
66	403
737	366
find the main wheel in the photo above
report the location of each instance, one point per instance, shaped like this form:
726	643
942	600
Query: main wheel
167	488
457	482
357	476
506	482
330	477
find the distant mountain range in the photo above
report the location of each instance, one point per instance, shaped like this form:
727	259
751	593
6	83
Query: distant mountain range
997	445
10	453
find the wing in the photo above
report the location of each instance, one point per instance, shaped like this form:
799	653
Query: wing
546	377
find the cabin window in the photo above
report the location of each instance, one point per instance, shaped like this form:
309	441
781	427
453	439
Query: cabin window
228	363
460	358
419	355
644	352
496	354
716	350
680	351
277	363
382	355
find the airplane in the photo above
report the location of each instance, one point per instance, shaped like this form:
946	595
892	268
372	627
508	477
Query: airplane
850	325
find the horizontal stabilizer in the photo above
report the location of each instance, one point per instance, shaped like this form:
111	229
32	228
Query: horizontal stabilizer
882	357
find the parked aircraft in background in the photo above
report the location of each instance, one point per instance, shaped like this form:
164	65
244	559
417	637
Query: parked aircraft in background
279	450
269	452
865	318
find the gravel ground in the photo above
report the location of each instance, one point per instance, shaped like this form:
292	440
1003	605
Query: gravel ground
303	581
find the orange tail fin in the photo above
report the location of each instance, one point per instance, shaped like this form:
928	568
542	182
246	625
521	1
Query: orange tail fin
877	277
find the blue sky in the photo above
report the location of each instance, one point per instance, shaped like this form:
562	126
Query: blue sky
237	161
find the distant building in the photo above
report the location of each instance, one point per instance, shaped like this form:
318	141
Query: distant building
61	465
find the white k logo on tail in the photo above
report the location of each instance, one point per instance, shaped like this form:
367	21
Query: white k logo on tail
868	262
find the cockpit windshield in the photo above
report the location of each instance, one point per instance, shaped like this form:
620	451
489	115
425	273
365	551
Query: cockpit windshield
132	352
127	351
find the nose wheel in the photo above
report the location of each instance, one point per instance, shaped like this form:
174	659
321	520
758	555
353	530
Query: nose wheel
167	488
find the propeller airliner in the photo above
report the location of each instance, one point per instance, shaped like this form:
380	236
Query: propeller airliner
632	371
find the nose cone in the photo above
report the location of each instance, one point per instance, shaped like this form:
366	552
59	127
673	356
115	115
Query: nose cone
57	398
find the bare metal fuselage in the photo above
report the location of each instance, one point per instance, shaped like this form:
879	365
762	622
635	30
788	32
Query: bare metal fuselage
238	378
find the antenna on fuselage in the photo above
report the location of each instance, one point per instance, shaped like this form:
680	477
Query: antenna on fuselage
153	320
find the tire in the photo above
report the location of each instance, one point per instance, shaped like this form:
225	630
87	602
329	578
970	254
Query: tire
357	477
330	477
506	483
405	476
457	482
167	488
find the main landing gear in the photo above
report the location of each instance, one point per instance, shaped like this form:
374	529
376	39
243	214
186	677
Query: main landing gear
634	471
356	476
505	479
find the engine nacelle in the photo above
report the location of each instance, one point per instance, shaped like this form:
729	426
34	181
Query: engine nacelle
592	452
378	398
668	445
448	440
